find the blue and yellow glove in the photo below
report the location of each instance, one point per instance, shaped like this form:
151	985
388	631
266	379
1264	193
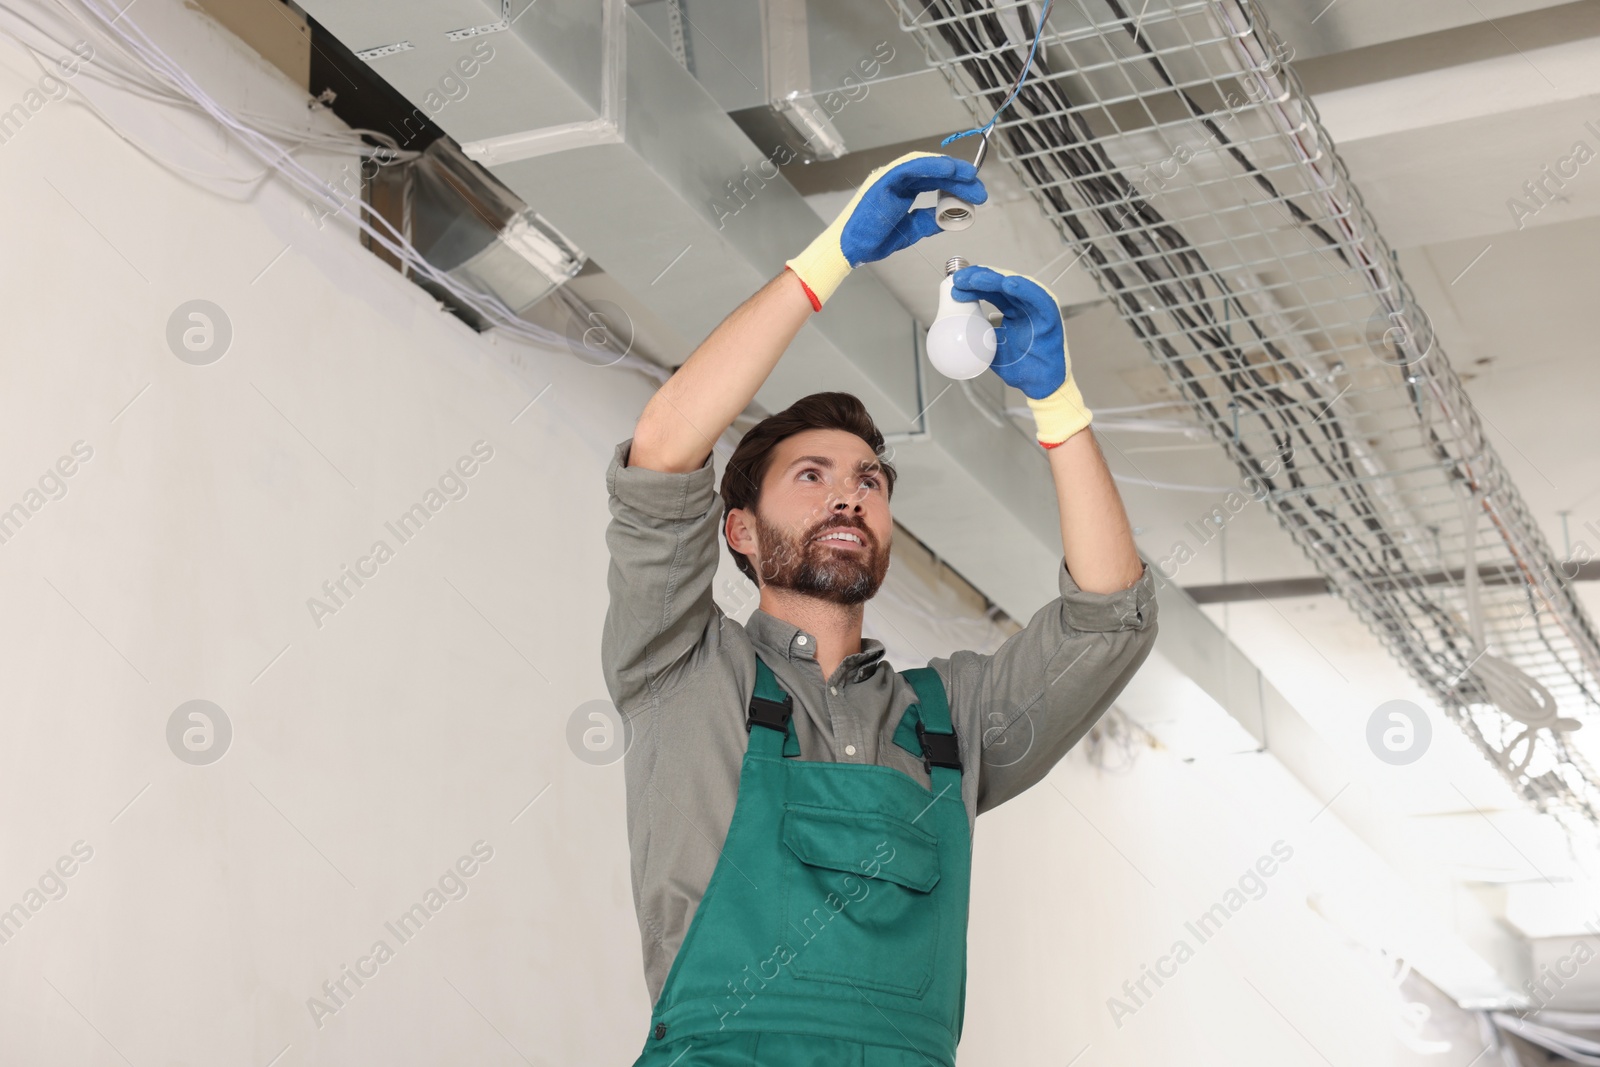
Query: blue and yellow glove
1031	348
879	221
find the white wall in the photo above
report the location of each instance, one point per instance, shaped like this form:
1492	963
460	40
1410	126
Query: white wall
370	752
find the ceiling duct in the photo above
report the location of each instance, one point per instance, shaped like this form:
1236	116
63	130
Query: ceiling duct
474	229
1175	148
792	108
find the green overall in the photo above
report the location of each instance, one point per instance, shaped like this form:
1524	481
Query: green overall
833	930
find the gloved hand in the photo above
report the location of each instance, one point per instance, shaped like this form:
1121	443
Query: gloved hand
1031	348
879	221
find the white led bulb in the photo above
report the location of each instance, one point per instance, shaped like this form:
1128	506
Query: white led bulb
961	343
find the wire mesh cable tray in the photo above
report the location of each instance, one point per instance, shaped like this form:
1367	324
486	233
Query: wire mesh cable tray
1177	151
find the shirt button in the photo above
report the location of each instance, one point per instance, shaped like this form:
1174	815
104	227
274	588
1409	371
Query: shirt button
833	689
800	640
849	750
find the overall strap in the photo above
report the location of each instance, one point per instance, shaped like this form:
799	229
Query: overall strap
935	736
772	708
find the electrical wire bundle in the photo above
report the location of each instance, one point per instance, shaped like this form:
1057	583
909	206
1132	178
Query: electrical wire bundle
123	70
128	60
1343	525
1560	1032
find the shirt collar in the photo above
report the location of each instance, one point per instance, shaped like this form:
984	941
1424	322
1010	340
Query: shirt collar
782	638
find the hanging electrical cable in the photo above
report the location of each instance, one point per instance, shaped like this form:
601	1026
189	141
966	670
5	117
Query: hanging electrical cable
952	212
133	79
1513	691
130	62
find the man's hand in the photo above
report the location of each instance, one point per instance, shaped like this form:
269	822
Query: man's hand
879	221
1031	348
1097	543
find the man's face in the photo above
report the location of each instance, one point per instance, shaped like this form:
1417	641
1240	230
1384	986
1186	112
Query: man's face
821	483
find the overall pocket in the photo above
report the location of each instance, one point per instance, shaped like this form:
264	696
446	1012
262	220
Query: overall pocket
858	905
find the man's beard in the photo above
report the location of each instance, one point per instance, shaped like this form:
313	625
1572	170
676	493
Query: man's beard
802	564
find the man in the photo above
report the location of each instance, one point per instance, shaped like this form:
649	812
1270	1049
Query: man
800	814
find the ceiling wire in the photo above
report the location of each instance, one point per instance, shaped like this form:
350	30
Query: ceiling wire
128	60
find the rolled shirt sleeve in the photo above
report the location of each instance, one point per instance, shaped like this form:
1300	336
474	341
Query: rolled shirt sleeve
1027	703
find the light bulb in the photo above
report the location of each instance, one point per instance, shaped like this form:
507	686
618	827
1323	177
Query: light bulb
961	342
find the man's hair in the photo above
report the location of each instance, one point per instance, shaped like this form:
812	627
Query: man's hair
747	469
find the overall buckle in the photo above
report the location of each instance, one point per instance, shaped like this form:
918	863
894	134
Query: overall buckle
769	713
938	750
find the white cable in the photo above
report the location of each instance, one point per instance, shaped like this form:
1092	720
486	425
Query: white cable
1491	1037
130	81
1104	419
1129	409
1216	490
127	37
1574	1048
1574	1020
145	79
1167	426
1512	690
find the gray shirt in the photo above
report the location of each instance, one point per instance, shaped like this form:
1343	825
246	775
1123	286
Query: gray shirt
682	673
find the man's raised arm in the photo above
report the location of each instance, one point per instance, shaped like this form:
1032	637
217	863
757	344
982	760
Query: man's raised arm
663	531
1042	690
701	399
1031	355
691	410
